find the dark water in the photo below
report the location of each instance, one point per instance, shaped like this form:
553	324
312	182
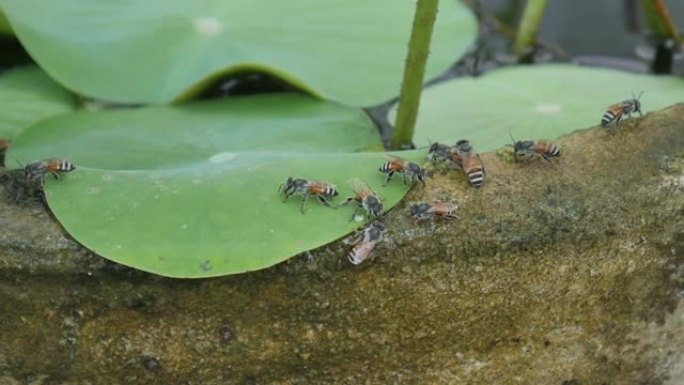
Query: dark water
605	32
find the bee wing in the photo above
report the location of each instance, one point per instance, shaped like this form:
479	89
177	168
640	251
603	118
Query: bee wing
616	106
394	158
361	251
315	184
358	185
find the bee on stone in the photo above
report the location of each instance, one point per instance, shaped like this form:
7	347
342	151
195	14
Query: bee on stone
365	198
410	171
307	188
527	149
53	166
616	112
470	162
365	242
437	209
442	154
439	153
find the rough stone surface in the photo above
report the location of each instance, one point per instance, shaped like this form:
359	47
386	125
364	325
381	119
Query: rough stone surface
567	273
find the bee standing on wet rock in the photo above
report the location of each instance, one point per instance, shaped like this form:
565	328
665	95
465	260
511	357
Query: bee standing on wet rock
365	242
307	188
616	112
54	166
470	163
439	153
410	171
366	198
443	154
437	209
527	149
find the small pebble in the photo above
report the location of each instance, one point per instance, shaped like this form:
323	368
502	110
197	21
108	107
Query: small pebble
151	363
226	334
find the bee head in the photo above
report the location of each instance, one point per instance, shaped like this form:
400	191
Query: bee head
377	225
435	147
464	145
637	103
285	186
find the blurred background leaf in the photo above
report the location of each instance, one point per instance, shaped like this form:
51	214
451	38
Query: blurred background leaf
28	95
540	102
156	51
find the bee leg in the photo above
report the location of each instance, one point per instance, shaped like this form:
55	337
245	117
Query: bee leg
324	201
286	195
353	239
403	178
347	201
55	174
304	198
388	178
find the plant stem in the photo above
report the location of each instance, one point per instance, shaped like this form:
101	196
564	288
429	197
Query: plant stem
529	26
660	21
414	71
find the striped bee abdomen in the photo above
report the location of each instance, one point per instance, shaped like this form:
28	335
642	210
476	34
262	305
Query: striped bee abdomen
65	166
608	118
476	177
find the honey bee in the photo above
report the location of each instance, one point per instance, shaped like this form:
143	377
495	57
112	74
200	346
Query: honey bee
530	148
616	112
366	198
437	209
443	154
439	153
307	188
470	162
365	242
410	171
53	166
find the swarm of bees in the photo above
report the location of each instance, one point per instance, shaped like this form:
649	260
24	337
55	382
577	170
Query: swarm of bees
461	157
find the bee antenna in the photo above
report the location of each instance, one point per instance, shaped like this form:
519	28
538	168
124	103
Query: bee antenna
640	93
512	138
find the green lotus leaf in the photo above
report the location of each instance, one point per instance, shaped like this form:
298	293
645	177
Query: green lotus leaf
28	95
5	28
156	51
192	190
540	102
